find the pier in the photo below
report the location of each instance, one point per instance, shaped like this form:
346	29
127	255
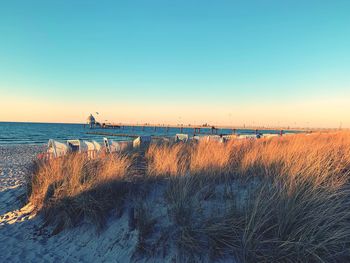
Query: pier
156	128
180	128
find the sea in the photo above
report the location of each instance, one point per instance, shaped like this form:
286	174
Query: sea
14	133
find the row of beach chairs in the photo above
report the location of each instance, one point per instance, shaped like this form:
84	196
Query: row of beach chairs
222	138
57	149
92	148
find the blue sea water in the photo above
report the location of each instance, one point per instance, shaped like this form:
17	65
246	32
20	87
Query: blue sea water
40	133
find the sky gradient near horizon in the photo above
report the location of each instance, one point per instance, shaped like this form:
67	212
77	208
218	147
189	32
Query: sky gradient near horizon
270	63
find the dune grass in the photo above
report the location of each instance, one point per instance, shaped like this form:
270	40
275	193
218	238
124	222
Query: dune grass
283	199
74	187
296	209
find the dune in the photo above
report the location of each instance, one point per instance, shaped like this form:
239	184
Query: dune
268	200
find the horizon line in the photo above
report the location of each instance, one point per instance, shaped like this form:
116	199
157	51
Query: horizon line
147	124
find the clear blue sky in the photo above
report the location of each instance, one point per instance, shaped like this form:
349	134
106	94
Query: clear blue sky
221	53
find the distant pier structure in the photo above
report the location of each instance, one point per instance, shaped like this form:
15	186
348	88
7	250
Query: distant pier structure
166	128
91	121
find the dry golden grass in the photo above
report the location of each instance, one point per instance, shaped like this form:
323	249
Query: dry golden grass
74	174
297	212
74	186
296	208
167	159
322	157
211	158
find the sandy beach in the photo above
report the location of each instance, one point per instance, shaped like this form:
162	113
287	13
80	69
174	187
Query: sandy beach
15	163
23	239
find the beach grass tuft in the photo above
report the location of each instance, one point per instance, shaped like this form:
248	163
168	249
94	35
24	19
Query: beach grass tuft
75	187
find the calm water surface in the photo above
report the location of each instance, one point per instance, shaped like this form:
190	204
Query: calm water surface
39	133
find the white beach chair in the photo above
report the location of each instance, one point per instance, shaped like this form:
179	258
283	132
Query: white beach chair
78	146
56	149
92	148
181	137
247	137
216	138
196	138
